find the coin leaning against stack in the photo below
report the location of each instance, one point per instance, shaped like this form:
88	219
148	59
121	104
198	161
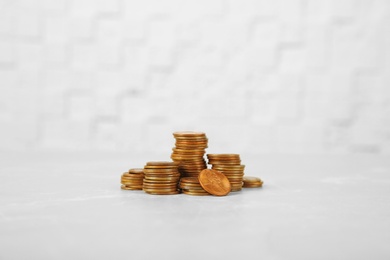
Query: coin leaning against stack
133	179
189	152
161	178
230	165
214	182
191	186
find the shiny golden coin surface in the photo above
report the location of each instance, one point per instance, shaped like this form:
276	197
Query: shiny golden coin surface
186	158
160	178
229	167
188	133
214	182
191	188
195	193
150	167
124	187
134	187
162	193
162	175
151	171
223	155
187	184
155	187
189	180
132	175
131	181
136	170
252	182
191	151
161	163
222	163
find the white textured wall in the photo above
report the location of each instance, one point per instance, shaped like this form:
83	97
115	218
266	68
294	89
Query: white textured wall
255	75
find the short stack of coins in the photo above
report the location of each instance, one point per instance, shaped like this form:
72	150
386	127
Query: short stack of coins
191	186
189	152
161	178
230	165
133	179
252	182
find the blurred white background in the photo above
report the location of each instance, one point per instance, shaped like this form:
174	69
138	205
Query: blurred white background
257	76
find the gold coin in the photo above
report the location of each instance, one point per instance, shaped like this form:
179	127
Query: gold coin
187	158
187	184
161	163
134	187
191	188
160	186
132	175
189	180
214	182
163	174
132	181
230	167
191	145
197	155
152	167
188	134
162	193
158	178
233	175
223	163
193	163
195	193
123	187
252	182
170	170
223	155
188	151
194	189
160	190
136	171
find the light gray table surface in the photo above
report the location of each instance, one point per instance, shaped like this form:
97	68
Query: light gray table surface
70	206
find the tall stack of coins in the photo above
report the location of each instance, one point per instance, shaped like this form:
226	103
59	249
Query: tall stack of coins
133	179
230	165
189	151
191	186
161	178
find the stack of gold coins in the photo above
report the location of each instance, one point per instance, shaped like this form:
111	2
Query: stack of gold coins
252	182
133	179
230	165
189	151
161	178
191	186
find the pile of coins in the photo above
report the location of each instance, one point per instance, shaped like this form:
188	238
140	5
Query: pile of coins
189	152
191	186
188	173
230	165
133	179
161	178
252	182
